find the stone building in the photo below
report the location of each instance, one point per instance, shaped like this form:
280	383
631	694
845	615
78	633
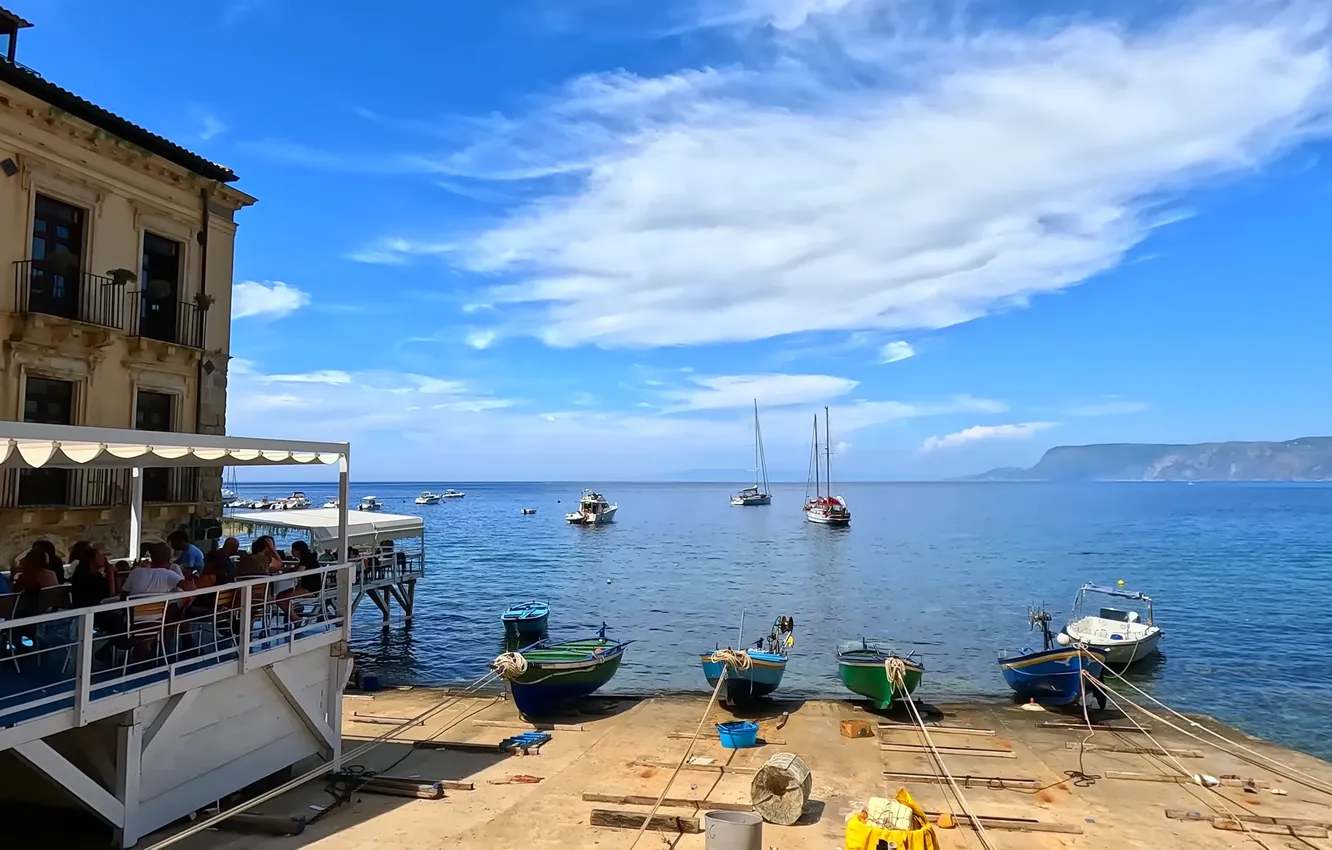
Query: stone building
118	246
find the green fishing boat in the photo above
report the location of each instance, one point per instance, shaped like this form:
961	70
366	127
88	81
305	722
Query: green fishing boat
554	674
863	667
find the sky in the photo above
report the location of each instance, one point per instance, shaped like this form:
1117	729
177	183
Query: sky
577	239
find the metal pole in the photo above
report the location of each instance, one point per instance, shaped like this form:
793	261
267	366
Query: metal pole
136	512
740	638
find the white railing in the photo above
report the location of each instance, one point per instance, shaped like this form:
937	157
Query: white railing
382	568
89	660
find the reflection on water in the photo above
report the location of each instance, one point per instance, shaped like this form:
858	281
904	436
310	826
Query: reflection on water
944	569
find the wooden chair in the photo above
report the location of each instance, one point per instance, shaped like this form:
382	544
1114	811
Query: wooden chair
147	629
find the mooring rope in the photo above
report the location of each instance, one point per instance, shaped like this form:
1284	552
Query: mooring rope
721	680
895	668
737	658
510	665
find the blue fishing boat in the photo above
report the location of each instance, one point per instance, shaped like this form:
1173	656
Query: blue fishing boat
1052	675
549	675
525	620
762	676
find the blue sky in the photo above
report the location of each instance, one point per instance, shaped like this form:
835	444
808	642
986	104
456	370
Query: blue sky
572	239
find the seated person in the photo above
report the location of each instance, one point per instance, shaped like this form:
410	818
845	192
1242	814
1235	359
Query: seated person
263	560
34	572
220	560
159	575
188	557
93	580
308	561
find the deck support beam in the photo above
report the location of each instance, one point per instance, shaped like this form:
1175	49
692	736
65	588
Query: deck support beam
40	756
329	742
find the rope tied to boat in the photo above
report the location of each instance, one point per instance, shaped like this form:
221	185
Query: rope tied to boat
737	658
895	669
510	665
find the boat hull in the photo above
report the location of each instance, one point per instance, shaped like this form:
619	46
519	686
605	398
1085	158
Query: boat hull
863	673
551	682
525	627
822	518
751	501
1050	677
606	517
1119	650
762	678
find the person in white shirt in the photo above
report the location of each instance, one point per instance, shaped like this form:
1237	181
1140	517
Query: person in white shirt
157	576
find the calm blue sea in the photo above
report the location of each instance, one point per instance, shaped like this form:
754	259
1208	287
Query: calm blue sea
1239	574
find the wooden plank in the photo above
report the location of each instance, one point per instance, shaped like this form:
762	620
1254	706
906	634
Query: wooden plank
1139	751
1013	824
672	802
413	780
964	781
386	721
1231	825
458	786
634	820
472	747
1096	727
532	727
1180	780
1182	814
949	751
708	768
686	736
956	730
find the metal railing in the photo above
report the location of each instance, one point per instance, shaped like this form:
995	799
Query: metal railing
91	662
56	289
171	484
63	488
177	322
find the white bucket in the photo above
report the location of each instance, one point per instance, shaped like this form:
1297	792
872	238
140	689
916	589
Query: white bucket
732	831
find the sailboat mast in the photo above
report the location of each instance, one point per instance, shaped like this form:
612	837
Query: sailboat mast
756	444
763	457
816	457
827	446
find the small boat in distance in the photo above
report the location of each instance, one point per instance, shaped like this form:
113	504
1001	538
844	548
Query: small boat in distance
1051	675
758	494
529	511
864	668
824	508
558	673
527	620
767	664
1123	636
427	498
451	494
593	509
369	503
332	503
297	501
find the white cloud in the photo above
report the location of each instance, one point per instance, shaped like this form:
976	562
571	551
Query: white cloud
895	351
1109	407
831	184
268	300
978	433
480	340
323	376
392	250
209	125
729	391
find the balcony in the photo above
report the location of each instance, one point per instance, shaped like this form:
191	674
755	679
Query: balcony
171	485
63	488
167	320
56	289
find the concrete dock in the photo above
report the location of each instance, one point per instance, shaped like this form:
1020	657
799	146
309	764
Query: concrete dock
616	752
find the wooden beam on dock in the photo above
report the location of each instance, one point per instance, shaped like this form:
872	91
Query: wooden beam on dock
1181	814
1096	727
964	781
1012	824
531	727
672	802
1229	782
1231	825
1138	751
384	720
949	751
688	736
709	768
954	730
472	747
634	820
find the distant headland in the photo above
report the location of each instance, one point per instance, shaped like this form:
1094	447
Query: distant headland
1303	459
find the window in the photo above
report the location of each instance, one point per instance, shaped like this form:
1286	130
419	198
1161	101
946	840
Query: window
57	258
152	412
160	287
48	402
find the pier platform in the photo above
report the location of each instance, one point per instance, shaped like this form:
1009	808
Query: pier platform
616	753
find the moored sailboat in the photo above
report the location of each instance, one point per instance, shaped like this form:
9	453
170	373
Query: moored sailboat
758	494
824	508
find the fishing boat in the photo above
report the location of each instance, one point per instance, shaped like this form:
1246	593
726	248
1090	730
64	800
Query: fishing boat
556	673
451	494
767	663
1051	675
824	508
525	620
758	494
593	509
864	668
428	498
332	503
1124	636
529	511
369	503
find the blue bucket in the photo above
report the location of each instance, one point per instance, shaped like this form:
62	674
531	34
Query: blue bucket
369	682
738	734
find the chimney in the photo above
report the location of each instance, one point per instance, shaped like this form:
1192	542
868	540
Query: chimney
10	24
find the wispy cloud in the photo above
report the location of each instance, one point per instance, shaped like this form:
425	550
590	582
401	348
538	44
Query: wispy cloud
895	351
396	250
730	391
829	185
979	433
1111	406
324	376
480	339
266	300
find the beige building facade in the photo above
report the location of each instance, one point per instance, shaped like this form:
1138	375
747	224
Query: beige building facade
116	249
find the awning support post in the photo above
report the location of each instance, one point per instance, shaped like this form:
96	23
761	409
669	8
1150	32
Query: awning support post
136	512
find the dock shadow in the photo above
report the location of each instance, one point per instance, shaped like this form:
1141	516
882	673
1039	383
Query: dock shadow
899	713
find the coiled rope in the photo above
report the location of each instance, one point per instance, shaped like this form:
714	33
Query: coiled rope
895	668
737	658
510	665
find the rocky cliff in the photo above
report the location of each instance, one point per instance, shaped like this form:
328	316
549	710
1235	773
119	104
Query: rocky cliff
1304	459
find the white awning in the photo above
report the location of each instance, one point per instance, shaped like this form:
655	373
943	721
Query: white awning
25	445
363	527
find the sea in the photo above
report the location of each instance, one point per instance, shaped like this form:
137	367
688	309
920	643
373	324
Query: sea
1239	575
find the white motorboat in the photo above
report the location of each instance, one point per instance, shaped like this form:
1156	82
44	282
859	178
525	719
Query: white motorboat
824	508
1123	635
332	503
263	503
593	509
369	503
297	501
758	494
451	494
428	498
